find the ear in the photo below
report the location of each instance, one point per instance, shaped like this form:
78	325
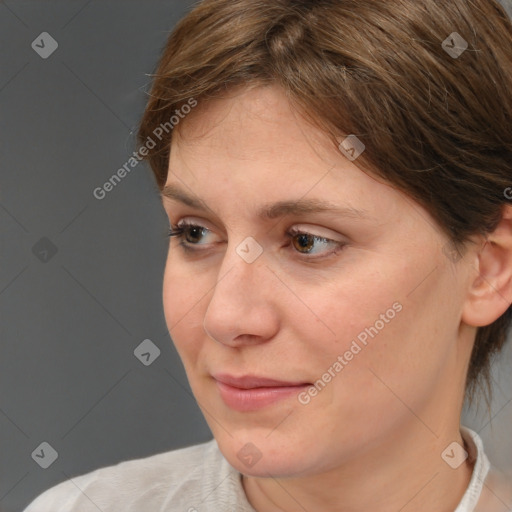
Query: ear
490	292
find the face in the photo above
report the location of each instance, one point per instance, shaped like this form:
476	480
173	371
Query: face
308	335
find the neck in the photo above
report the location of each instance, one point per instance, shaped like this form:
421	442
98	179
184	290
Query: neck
405	473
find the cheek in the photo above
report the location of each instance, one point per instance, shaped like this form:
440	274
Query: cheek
404	358
353	303
185	299
381	321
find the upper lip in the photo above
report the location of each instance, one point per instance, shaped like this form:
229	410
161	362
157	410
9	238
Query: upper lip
253	381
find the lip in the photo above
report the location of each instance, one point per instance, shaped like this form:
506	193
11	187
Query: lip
253	381
250	392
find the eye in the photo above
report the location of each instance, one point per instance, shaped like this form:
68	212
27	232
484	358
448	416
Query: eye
188	234
304	243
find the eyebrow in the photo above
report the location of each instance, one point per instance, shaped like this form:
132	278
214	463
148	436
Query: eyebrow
273	210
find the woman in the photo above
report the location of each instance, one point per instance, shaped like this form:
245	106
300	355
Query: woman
337	177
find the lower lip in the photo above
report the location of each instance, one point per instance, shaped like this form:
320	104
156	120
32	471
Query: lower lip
256	398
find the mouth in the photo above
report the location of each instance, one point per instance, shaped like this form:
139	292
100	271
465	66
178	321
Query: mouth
250	392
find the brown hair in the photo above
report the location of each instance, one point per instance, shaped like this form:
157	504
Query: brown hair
437	126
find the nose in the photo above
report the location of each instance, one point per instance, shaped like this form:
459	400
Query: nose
243	309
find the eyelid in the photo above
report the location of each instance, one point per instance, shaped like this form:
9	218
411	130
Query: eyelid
296	230
315	231
191	221
310	229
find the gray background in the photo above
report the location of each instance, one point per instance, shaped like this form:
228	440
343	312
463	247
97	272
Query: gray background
70	321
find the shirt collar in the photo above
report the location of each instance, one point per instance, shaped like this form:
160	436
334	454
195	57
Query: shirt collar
480	470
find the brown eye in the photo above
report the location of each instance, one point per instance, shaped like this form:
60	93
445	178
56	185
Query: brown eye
304	242
189	234
313	246
194	234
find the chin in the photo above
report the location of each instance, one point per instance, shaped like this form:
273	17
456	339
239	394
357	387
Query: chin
255	454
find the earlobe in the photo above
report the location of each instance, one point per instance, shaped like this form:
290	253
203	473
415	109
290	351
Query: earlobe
490	293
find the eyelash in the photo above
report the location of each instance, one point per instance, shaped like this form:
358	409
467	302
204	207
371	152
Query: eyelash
178	232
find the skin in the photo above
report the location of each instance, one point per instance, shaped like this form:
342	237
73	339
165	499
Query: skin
372	438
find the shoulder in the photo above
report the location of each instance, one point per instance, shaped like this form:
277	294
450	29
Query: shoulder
178	476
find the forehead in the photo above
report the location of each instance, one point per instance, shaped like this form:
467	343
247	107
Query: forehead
251	148
251	121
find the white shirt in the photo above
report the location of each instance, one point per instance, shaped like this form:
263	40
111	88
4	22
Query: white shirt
199	479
